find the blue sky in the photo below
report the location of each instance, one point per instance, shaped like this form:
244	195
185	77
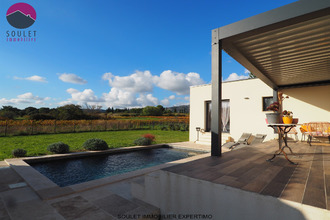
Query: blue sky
117	53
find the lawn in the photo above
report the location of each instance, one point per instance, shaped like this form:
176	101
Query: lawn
36	145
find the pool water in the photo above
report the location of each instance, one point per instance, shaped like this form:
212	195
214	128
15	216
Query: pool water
67	172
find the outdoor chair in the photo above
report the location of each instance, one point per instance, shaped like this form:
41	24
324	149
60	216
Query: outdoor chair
303	130
318	130
259	138
245	139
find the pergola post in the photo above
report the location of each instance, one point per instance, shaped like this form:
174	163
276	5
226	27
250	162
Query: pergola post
216	94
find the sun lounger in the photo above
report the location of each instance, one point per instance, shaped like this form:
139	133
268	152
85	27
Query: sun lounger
243	140
259	138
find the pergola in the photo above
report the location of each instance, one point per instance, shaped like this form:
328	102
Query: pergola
285	47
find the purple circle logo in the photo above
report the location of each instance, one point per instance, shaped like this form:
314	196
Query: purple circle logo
21	15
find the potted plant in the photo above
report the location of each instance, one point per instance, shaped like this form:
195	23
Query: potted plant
273	118
287	117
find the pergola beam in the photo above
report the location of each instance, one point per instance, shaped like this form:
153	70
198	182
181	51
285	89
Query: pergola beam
283	16
234	52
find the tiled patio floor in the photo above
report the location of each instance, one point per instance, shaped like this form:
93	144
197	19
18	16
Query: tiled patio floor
247	169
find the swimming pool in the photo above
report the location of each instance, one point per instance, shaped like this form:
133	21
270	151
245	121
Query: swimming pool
67	172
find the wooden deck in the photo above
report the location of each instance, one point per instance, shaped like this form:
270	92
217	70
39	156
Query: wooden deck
247	169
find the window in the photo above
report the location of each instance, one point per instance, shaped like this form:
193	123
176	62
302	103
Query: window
208	107
225	117
266	101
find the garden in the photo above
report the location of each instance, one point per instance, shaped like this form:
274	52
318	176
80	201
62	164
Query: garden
43	144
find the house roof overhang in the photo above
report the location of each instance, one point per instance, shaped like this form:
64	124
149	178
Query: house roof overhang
285	47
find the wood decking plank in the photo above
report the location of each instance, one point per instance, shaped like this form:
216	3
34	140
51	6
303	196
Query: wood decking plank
247	169
278	183
315	189
229	181
264	178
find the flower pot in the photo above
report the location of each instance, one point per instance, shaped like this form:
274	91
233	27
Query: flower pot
273	118
295	121
287	120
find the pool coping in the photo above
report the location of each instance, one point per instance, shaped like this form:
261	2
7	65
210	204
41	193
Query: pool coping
47	189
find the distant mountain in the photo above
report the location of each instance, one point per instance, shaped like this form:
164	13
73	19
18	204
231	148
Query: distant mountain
179	109
20	20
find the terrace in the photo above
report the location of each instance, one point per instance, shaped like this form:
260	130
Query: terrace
286	48
247	169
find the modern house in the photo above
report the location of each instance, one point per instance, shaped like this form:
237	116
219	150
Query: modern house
288	50
244	104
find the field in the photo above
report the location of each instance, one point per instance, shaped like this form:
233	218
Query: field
33	127
36	145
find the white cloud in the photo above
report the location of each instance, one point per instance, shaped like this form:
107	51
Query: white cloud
234	77
134	90
32	78
72	78
26	98
120	98
130	91
65	103
145	100
177	82
86	96
165	102
246	71
136	82
29	95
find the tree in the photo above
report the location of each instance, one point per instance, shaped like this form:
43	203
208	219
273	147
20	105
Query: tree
70	112
9	112
92	108
252	76
30	111
109	110
152	111
44	110
161	108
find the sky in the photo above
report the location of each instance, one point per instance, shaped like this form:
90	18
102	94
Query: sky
117	53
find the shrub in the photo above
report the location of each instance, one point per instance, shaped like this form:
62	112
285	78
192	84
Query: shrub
185	127
149	136
18	152
164	128
95	144
142	141
58	148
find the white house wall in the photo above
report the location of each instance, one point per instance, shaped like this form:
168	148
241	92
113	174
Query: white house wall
198	96
308	104
246	115
245	96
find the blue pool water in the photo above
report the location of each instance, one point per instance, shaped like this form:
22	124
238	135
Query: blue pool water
67	172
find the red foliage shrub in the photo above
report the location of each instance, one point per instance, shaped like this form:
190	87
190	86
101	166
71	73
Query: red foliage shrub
149	136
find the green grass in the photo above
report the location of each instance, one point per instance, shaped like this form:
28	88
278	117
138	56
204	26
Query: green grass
36	145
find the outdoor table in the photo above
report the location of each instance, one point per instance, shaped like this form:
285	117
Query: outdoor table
283	130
